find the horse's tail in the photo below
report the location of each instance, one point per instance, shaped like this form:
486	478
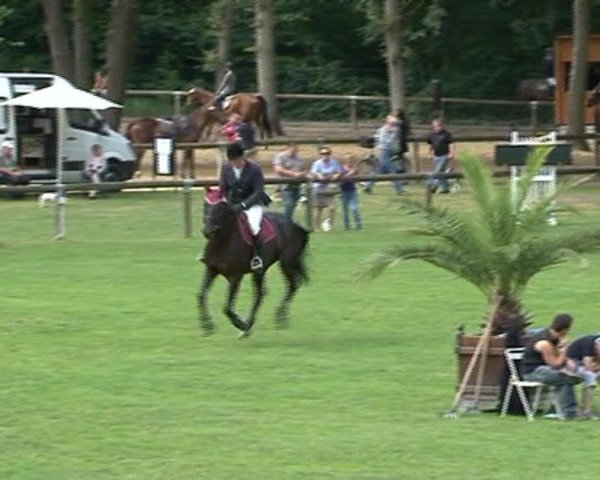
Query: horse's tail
265	124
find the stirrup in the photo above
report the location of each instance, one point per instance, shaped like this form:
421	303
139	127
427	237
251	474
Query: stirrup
256	263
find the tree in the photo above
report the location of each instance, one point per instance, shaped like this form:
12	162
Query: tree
393	34
58	39
119	53
498	248
82	44
578	74
264	19
224	34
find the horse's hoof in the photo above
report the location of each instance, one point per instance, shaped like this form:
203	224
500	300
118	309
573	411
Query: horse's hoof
207	330
244	334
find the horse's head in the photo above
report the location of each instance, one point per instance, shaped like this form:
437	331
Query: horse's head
217	213
199	96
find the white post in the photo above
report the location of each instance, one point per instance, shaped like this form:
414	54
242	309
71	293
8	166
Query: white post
61	198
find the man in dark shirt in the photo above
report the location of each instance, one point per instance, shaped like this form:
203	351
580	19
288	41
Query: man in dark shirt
544	359
242	184
583	355
442	151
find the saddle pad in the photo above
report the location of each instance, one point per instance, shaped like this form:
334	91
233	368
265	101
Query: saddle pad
266	234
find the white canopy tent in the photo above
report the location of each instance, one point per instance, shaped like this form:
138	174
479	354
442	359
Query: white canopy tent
61	95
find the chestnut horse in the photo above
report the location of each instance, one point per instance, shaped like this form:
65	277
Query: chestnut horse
181	128
252	107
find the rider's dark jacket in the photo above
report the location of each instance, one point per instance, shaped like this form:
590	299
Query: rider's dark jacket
248	189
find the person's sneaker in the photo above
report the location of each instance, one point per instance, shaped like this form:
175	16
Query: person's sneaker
552	416
589	416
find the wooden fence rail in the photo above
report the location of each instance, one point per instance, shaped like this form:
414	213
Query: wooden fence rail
179	99
186	187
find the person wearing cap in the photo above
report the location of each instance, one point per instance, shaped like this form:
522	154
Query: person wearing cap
325	168
583	357
242	184
226	87
10	173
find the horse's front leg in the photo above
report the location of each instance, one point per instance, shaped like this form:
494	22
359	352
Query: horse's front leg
259	293
234	286
206	324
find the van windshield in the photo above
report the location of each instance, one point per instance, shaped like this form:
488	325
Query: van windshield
84	119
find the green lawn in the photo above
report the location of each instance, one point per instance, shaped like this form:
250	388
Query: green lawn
105	374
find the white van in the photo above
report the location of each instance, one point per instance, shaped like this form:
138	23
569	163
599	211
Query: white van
34	133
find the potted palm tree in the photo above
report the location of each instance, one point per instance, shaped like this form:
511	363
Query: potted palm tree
499	247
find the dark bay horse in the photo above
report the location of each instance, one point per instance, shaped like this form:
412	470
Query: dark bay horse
251	106
227	253
181	128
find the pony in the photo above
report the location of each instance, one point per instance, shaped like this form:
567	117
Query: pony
252	108
180	128
227	252
535	89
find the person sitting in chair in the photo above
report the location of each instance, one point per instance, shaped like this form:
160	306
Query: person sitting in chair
242	184
583	356
10	173
226	87
545	358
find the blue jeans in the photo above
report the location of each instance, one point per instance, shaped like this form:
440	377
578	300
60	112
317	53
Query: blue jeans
564	385
440	163
350	204
290	196
387	165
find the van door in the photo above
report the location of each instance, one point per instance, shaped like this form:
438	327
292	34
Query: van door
6	123
83	129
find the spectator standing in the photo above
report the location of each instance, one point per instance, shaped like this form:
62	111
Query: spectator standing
287	164
325	168
10	173
545	358
349	193
442	152
387	145
231	128
95	168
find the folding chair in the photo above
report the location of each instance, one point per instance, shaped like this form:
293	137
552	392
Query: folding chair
512	355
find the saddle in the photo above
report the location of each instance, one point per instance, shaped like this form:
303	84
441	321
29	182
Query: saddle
266	234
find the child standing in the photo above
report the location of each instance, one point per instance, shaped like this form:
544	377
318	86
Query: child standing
349	193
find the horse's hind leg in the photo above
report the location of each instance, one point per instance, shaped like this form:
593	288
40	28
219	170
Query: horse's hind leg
259	293
206	324
293	279
234	286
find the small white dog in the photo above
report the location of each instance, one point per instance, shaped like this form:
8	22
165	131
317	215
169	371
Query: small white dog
46	198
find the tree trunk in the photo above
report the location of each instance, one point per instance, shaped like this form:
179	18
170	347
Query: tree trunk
581	29
393	35
119	53
82	43
225	17
265	58
58	40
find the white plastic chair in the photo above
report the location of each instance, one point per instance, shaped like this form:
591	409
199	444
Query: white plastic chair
513	355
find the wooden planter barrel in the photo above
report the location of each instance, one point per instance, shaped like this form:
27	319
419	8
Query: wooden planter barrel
495	364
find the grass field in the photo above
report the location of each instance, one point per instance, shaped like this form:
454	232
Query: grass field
105	374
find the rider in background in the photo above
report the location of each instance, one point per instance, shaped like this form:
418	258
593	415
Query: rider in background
242	184
226	87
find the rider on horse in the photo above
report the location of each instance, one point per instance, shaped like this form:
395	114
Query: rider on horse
226	87
242	184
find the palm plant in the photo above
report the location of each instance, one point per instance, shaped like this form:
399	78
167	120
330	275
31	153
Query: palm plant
498	248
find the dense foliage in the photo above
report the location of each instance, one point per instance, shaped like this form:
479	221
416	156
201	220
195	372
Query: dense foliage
479	48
